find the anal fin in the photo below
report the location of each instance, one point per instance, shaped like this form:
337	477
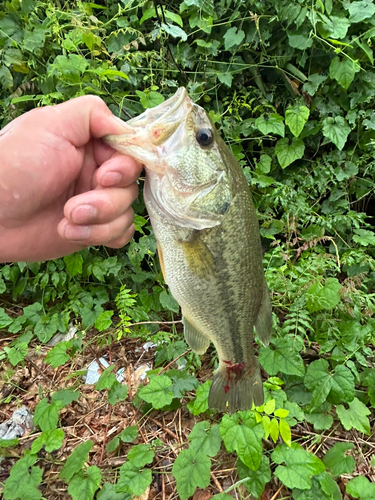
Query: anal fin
196	340
263	323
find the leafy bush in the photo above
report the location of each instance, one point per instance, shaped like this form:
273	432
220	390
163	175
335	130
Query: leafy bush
291	85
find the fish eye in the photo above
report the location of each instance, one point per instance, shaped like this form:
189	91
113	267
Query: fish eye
204	136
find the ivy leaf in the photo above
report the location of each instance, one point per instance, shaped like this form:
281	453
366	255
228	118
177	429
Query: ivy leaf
75	462
141	455
355	417
157	392
284	358
191	470
300	466
58	356
343	71
360	487
132	480
52	440
337	130
118	392
296	117
232	37
46	415
83	486
241	433
205	438
271	124
200	404
258	479
287	152
73	264
364	237
337	460
360	10
24	479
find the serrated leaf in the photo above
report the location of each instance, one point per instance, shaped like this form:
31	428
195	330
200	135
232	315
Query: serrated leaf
343	71
241	433
364	237
132	480
296	117
258	479
17	353
325	296
337	130
287	152
58	356
300	466
83	486
24	479
338	461
318	380
75	462
157	392
141	455
52	440
226	78
271	124
284	358
342	385
191	470
74	263
355	417
104	320
200	404
46	415
233	36
205	438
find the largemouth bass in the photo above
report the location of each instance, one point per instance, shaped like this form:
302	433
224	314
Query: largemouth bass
208	240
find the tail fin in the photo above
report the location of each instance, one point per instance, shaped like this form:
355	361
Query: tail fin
238	385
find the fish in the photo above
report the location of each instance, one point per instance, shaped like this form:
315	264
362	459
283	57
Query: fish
208	240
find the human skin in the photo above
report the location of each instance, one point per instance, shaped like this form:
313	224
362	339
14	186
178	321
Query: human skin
61	188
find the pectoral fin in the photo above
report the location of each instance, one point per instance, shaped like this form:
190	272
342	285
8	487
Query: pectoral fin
263	324
196	340
161	259
199	258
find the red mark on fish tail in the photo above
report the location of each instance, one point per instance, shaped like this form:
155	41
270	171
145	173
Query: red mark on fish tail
226	388
234	373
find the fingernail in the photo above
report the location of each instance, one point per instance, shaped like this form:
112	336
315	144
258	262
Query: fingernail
112	179
83	214
78	233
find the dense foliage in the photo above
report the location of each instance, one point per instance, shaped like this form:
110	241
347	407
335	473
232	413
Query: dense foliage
291	86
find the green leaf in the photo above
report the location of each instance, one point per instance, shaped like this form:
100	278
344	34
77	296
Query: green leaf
104	320
343	71
205	438
141	455
7	443
300	39
3	287
83	486
258	479
108	492
364	237
74	263
337	130
168	302
287	152
46	415
355	417
174	31
17	353
271	124
52	440
151	99
226	78
313	83
342	385
325	296
191	470
132	480
32	312
75	462
6	78
320	418
106	379
232	37
319	381
300	466
118	392
296	117
66	396
264	164
129	434
24	479
243	434
285	432
359	11
360	487
182	381
157	392
338	461
200	404
58	356
274	430
284	358
5	320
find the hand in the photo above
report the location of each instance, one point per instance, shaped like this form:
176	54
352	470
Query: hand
61	188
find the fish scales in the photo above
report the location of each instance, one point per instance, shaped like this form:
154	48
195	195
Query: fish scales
208	238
